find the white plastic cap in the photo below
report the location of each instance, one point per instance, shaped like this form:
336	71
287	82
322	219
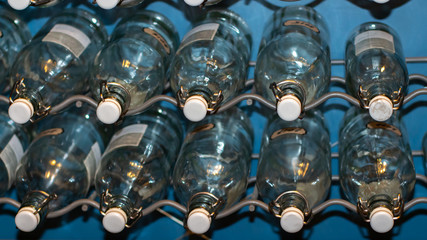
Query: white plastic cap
195	108
199	221
26	220
109	111
292	220
380	108
107	4
381	220
289	108
19	4
21	110
114	220
381	1
194	2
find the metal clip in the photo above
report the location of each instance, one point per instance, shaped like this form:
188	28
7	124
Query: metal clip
396	98
397	208
105	198
104	201
215	207
276	91
48	198
36	3
105	86
213	105
275	208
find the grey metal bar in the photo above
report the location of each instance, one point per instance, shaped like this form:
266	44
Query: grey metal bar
414	202
72	206
240	205
10	201
150	102
71	100
245	96
330	95
416	93
331	202
338	79
4	99
163	203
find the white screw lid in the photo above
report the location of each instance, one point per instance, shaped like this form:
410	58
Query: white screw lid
380	108
193	2
381	220
21	110
109	111
292	220
114	220
19	4
289	108
26	220
107	4
381	1
199	221
195	108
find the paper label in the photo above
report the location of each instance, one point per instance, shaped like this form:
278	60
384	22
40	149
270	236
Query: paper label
385	126
202	32
374	39
290	130
128	136
92	160
301	23
69	37
11	157
159	38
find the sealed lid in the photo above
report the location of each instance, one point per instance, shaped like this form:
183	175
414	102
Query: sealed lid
292	220
107	4
21	110
19	4
194	2
109	111
381	220
199	221
380	108
195	108
114	220
26	220
289	108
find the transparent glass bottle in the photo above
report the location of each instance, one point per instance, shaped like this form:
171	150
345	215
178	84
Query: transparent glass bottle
376	168
135	169
210	65
54	66
376	71
23	4
110	4
294	170
293	66
213	166
59	165
133	66
14	34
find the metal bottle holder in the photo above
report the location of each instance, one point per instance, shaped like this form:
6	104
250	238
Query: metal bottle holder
105	86
397	208
219	202
278	93
275	208
213	106
396	98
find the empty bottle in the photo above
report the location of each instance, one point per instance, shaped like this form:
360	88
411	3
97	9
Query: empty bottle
54	66
293	66
212	169
135	169
294	171
14	34
209	67
133	66
376	168
23	4
59	165
110	4
376	71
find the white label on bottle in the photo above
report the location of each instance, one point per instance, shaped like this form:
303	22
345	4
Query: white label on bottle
374	39
11	157
159	38
92	160
128	136
69	37
202	32
301	23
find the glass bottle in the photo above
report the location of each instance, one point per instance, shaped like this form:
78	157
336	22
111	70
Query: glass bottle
133	66
376	168
294	170
54	66
135	169
14	35
213	166
376	71
59	165
23	4
110	4
293	66
210	65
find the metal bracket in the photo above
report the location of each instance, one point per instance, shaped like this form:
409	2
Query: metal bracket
213	105
215	207
397	208
48	198
105	86
396	98
275	208
104	202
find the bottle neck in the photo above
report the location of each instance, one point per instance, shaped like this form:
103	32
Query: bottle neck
117	92
39	201
207	202
33	97
122	202
289	87
380	200
290	199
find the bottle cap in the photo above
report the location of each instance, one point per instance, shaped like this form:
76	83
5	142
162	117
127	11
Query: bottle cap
114	220
195	108
380	108
194	2
199	221
381	220
26	220
107	4
381	1
21	110
109	111
289	108
19	4
292	220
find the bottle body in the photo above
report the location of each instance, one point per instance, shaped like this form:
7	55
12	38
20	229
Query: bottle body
293	65
376	71
209	67
134	64
376	168
294	171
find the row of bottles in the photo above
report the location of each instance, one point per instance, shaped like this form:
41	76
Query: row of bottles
209	68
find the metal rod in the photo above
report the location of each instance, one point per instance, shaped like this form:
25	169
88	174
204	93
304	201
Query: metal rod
10	201
331	202
330	95
4	99
338	80
414	202
412	95
245	96
163	203
240	205
150	102
72	206
72	100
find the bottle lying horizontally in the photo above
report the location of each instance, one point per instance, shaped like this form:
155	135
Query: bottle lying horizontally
59	165
136	167
376	72
293	66
376	168
133	66
14	35
212	169
110	4
210	65
23	4
54	66
294	170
